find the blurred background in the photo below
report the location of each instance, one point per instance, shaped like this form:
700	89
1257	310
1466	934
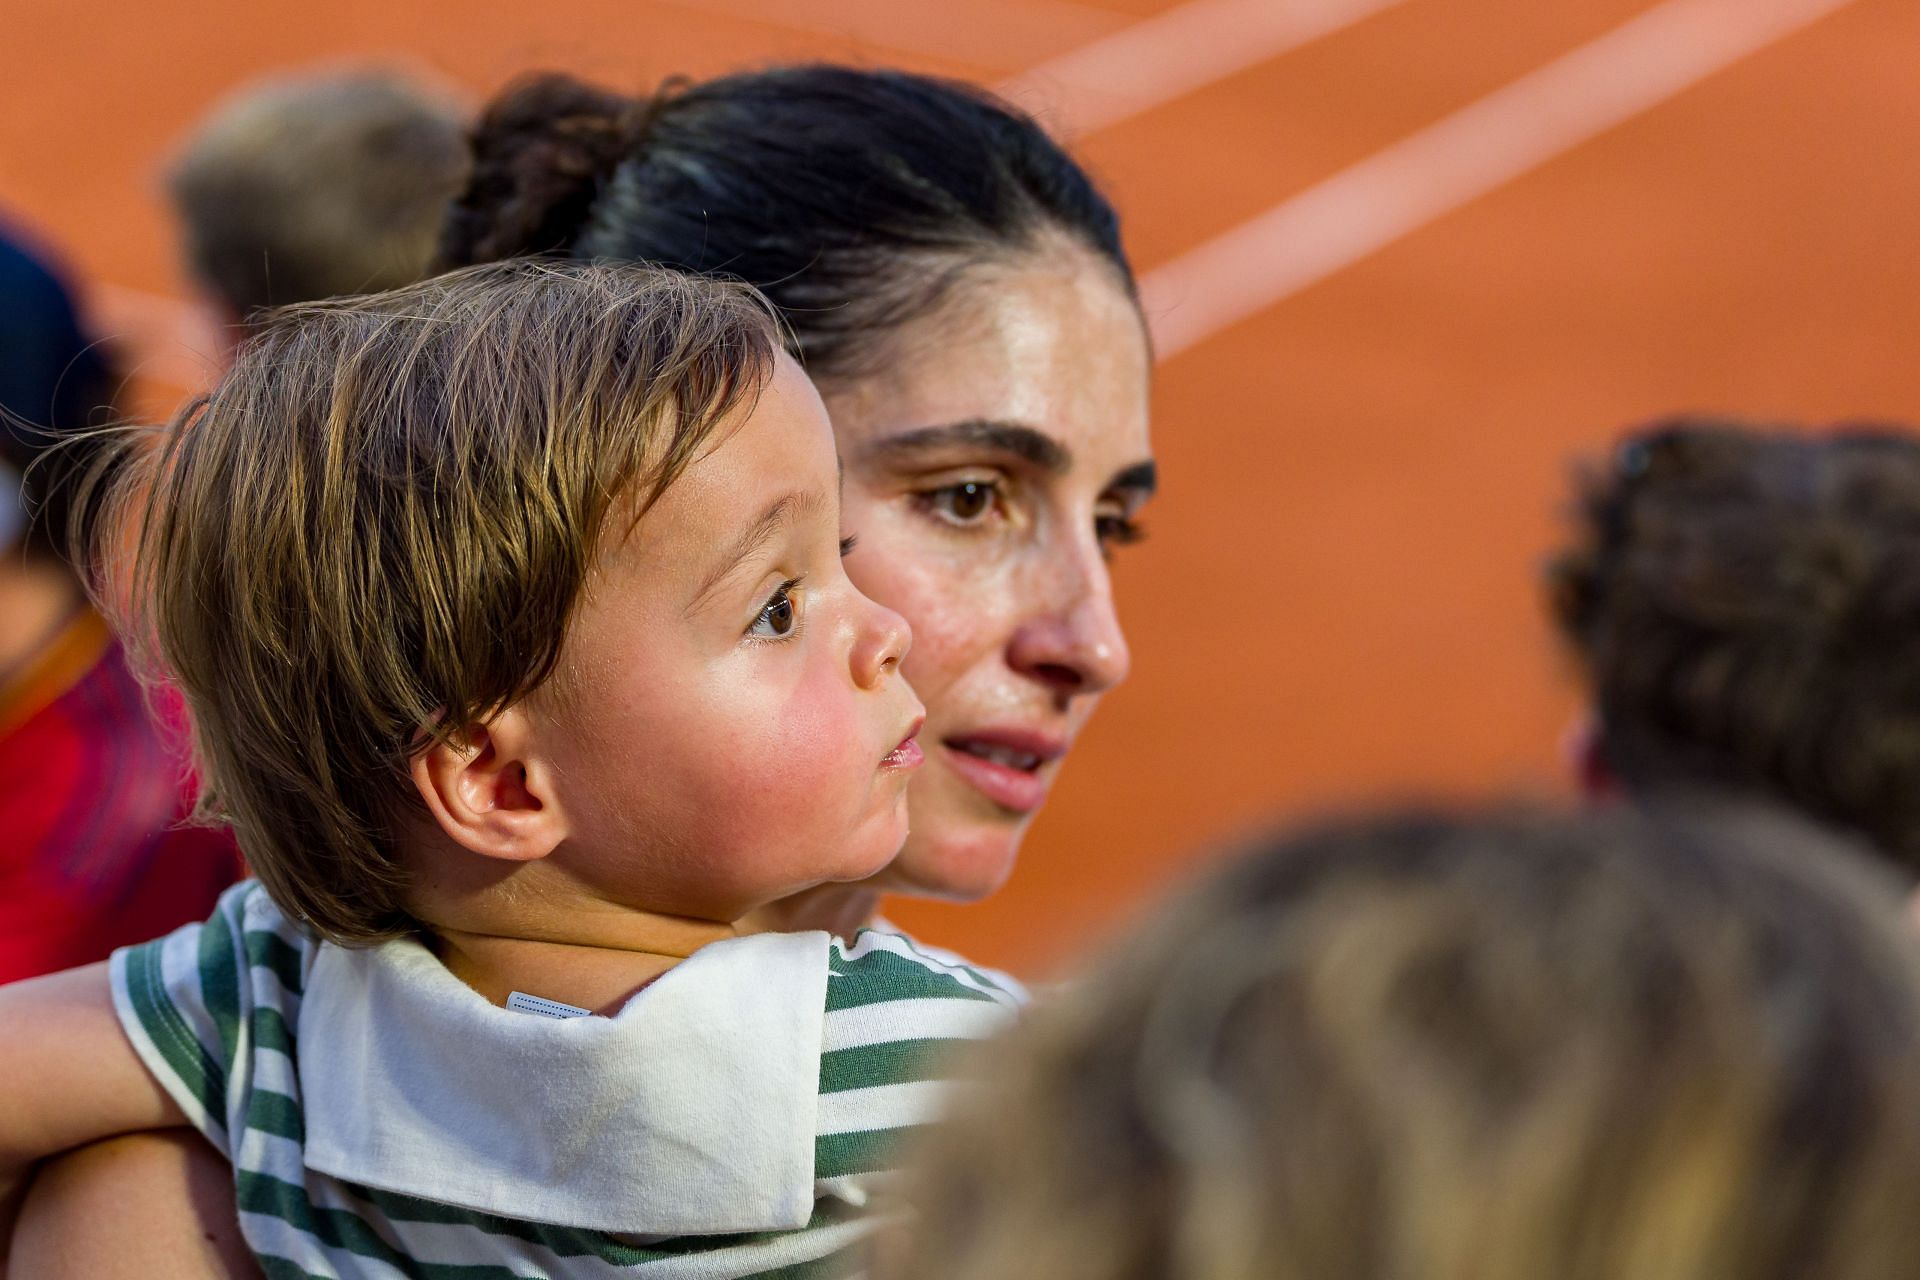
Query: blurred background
1406	261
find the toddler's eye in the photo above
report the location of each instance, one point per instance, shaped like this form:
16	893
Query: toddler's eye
776	620
966	503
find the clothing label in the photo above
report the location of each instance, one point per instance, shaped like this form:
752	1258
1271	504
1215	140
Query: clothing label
521	1002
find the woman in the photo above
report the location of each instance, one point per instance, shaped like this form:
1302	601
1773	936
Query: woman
957	288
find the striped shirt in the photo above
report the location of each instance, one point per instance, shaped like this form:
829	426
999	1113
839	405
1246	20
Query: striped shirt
462	1140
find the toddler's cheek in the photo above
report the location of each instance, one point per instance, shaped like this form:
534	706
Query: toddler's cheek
824	726
790	797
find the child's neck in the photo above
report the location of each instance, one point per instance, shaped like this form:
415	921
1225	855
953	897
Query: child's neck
598	964
841	909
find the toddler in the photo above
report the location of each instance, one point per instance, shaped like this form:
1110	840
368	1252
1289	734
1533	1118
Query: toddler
511	614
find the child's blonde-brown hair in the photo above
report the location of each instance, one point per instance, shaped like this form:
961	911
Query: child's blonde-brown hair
374	531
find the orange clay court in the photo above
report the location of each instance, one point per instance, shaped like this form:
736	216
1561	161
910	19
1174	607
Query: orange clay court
1405	259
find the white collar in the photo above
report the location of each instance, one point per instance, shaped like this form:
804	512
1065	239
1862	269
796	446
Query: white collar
692	1111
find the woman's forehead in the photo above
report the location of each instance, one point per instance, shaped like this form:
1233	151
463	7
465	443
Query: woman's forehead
1056	349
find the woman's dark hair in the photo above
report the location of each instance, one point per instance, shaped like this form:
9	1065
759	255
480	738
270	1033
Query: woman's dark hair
852	198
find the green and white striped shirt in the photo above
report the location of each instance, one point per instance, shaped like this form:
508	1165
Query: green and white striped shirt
733	1120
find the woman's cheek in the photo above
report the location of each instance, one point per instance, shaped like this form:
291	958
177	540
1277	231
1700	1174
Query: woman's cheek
952	619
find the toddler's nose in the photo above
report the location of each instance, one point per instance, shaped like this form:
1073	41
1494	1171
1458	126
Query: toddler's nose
882	645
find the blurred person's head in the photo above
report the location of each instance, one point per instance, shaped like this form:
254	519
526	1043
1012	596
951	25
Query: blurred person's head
1745	605
56	379
956	286
315	186
1624	1044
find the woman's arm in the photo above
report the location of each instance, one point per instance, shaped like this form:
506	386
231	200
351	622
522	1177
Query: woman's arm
169	1191
72	1076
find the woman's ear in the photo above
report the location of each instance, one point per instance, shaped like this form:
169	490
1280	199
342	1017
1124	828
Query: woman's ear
487	789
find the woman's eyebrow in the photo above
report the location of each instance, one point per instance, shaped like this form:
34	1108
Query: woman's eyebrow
1144	477
1015	438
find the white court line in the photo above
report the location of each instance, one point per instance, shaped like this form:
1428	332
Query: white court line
1429	174
982	33
1172	54
1154	61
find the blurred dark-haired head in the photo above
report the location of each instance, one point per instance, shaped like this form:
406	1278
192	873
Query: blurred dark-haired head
855	199
55	379
1745	601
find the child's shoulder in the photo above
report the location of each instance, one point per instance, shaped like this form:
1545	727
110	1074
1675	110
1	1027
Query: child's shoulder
262	933
246	955
206	1005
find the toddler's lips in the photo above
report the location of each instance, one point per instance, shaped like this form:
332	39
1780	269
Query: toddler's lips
907	755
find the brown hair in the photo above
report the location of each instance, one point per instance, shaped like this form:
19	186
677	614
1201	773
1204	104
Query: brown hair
1746	604
318	186
377	526
1507	1048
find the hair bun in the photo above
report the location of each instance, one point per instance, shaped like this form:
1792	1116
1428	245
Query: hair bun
540	153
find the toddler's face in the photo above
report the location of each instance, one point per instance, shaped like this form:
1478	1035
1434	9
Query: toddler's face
729	724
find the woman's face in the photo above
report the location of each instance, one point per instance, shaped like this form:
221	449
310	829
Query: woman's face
993	471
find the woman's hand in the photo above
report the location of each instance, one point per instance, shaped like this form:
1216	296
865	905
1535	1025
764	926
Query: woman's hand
72	1077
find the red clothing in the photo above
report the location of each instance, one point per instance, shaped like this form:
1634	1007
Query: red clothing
91	795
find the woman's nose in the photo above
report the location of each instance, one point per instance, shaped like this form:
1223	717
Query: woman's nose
1074	644
881	645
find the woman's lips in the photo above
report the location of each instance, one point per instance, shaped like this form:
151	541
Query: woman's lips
1005	766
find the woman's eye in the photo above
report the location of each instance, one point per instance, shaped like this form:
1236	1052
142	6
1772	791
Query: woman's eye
1118	531
968	502
776	618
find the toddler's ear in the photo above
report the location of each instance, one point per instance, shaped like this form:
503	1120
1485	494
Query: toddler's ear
486	790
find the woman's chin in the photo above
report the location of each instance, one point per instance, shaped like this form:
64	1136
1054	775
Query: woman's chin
955	862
